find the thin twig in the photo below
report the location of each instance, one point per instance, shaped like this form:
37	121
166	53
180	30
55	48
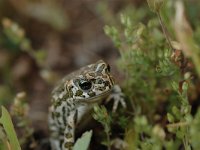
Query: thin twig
179	124
164	29
108	140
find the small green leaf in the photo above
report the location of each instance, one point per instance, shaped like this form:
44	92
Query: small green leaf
83	142
176	112
180	134
185	86
125	20
170	117
6	121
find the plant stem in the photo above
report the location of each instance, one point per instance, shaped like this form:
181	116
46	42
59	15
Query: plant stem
187	140
179	124
108	140
164	29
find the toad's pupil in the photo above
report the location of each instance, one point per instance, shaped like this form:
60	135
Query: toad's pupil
85	85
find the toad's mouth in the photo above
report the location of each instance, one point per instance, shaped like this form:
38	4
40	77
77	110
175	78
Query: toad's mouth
96	98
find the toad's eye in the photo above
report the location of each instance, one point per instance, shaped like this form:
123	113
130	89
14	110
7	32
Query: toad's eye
85	84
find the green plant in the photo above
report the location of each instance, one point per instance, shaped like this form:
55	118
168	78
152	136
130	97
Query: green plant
152	62
19	111
84	141
158	43
16	40
8	136
101	115
181	115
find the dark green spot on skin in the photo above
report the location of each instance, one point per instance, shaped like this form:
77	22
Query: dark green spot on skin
64	121
61	131
70	127
76	116
106	83
70	93
57	103
58	121
63	111
102	88
99	81
61	143
57	114
65	97
68	144
83	96
68	135
79	93
91	93
64	116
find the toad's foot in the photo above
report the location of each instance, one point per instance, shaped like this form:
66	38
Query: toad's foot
117	96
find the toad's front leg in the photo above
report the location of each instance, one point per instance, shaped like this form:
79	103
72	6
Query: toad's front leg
69	132
118	96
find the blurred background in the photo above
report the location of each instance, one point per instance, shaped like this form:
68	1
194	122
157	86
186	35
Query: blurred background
43	40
